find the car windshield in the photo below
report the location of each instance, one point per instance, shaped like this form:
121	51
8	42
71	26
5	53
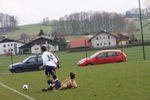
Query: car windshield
32	58
94	55
26	59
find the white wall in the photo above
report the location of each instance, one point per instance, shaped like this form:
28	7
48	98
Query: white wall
122	43
9	47
103	40
37	48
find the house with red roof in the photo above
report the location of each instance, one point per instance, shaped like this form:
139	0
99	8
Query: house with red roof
121	39
103	39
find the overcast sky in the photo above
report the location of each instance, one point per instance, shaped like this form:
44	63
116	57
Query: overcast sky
33	11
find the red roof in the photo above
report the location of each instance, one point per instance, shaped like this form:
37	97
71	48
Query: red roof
80	42
120	37
116	34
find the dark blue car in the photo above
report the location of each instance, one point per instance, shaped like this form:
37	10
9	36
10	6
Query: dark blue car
31	63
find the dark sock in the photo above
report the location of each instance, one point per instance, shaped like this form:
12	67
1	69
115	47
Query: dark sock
57	84
49	82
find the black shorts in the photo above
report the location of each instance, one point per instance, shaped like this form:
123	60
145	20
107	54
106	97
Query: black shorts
50	70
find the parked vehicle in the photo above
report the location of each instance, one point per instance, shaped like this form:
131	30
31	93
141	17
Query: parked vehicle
103	57
31	63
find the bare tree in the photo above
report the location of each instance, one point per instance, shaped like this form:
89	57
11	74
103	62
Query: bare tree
89	22
24	37
7	23
46	21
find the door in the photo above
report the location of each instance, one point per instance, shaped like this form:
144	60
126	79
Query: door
111	57
32	64
101	58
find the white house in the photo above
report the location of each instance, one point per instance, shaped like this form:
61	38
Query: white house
34	47
9	46
121	39
103	39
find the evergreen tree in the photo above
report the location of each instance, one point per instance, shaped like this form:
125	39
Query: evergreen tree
41	33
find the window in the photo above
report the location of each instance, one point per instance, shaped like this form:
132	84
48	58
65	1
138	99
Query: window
8	44
104	37
101	43
5	50
4	45
11	44
118	54
36	48
104	43
97	44
11	49
97	38
31	60
102	55
109	43
40	59
110	54
55	47
108	37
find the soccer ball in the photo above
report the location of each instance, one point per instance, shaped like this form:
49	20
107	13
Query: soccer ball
25	87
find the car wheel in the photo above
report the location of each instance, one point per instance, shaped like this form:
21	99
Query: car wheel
18	70
88	64
120	61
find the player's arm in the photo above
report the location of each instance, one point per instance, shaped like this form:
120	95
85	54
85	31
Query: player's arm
55	59
41	67
44	62
63	85
74	84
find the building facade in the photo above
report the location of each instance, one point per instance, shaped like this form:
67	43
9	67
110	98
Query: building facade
9	46
34	47
103	39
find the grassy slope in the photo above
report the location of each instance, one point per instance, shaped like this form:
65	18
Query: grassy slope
133	54
122	81
146	30
35	28
29	29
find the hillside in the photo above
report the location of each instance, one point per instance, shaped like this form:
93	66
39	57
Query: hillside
33	29
28	29
146	30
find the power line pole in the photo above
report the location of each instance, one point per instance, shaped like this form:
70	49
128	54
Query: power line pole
85	50
140	15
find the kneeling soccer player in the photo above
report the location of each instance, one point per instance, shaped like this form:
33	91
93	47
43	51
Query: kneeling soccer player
68	83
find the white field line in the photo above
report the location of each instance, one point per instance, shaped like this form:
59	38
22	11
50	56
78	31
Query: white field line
30	98
4	73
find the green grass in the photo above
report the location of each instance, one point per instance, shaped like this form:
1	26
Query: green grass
146	30
68	59
118	81
32	29
121	81
5	61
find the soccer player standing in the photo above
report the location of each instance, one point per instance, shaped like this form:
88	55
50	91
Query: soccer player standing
50	63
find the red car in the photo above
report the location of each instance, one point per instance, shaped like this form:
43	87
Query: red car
103	57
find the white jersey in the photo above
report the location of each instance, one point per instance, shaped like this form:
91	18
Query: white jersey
49	59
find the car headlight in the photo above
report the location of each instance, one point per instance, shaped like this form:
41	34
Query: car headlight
80	62
10	66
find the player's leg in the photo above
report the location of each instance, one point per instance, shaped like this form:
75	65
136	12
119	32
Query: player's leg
54	75
49	81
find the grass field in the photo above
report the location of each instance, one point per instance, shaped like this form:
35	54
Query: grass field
30	30
119	81
122	81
